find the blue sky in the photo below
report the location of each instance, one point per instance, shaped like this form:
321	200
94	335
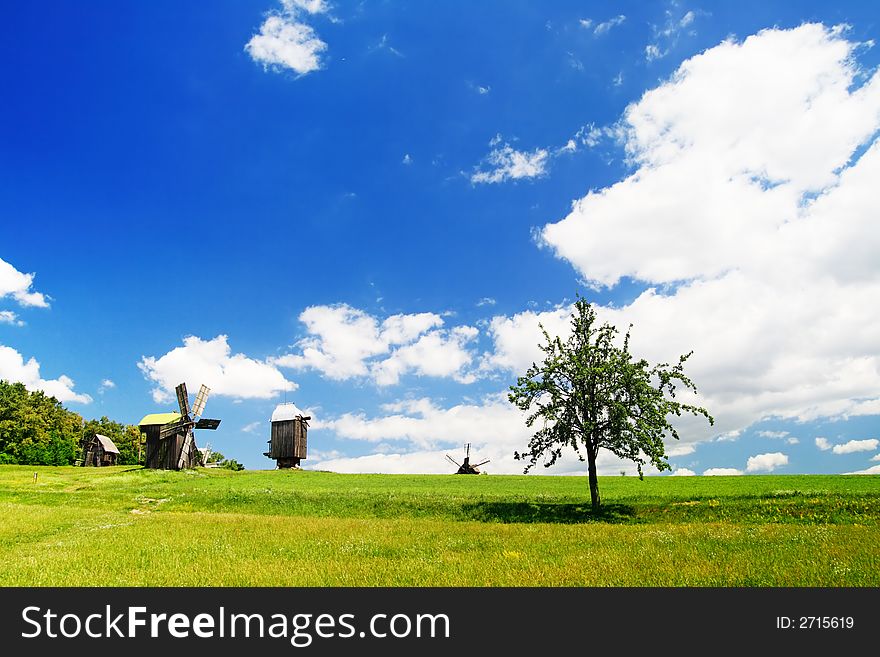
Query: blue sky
366	208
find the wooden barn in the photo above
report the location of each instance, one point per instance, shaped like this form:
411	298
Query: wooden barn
288	444
99	451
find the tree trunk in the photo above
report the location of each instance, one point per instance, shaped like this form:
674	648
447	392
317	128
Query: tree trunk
594	481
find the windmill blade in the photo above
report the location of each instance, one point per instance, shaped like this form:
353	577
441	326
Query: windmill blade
184	451
205	423
201	400
170	429
467	450
453	460
476	465
175	428
182	399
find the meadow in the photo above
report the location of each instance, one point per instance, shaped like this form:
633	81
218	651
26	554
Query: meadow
126	526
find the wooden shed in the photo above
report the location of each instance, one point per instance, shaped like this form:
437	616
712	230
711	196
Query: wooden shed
99	451
288	441
167	453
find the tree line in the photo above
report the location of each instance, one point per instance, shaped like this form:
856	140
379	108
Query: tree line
35	429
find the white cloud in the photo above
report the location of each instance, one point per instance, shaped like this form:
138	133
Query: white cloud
680	449
607	26
483	90
876	457
652	52
773	434
738	196
309	6
570	147
402	328
873	470
424	424
731	122
384	44
346	342
285	41
422	462
9	317
791	440
586	22
18	285
721	472
505	163
434	462
853	446
865	407
440	353
588	135
486	301
850	447
252	427
106	384
14	369
682	472
766	462
319	455
424	432
669	33
406	159
343	339
212	363
516	338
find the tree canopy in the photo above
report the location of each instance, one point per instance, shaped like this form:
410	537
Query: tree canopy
588	394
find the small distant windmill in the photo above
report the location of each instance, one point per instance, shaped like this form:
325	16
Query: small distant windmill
171	443
466	467
206	455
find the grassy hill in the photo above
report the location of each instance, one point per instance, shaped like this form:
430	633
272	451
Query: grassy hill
127	526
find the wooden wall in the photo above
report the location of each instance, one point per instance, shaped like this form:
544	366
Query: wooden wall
96	456
288	440
164	453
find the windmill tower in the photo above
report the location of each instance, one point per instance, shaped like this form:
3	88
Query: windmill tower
466	467
288	443
170	438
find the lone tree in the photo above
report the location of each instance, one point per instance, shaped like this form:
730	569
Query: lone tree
590	393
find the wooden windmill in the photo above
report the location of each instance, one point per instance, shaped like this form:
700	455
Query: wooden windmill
171	443
288	442
466	467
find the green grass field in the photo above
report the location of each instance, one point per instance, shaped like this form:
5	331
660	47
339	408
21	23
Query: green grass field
127	526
